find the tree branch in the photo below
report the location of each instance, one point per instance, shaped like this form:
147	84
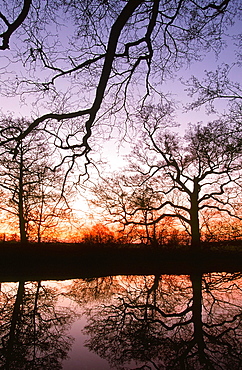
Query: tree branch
13	26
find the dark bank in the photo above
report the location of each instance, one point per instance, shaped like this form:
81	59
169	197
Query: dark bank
64	261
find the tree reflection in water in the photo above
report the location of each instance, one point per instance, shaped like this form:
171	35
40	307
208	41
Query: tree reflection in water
165	322
33	328
134	322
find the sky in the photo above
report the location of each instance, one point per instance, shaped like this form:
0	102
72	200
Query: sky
27	105
113	150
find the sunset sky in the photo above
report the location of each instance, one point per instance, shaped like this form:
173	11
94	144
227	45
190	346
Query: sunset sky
112	137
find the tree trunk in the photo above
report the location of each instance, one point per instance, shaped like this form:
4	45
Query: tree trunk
22	226
14	321
40	217
194	216
196	280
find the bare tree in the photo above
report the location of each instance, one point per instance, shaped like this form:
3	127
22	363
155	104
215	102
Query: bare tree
123	198
188	175
166	321
33	191
218	86
110	49
33	330
14	24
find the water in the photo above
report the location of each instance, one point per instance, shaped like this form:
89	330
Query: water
123	322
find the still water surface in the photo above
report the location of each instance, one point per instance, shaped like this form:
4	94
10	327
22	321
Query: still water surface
123	322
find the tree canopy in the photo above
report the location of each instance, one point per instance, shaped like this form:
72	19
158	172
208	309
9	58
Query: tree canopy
84	63
177	177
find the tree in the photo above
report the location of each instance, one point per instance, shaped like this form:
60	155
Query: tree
122	198
215	86
111	49
33	327
166	322
33	192
188	175
98	234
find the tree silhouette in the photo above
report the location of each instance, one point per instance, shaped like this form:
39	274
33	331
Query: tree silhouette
170	322
98	234
33	192
215	86
111	48
179	177
33	330
123	198
11	27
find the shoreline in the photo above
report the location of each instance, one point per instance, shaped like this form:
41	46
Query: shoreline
60	261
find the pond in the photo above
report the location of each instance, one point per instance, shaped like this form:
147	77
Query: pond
123	322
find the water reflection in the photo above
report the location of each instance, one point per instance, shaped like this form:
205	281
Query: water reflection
134	322
166	322
33	328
